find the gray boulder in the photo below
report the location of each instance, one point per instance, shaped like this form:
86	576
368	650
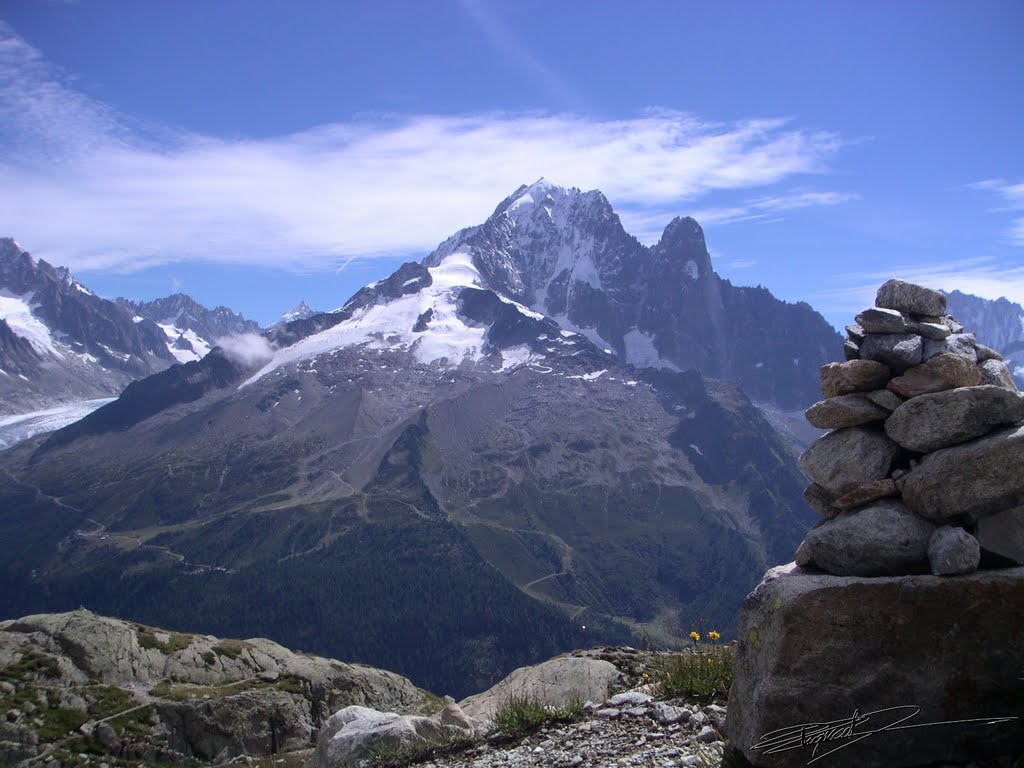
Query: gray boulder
852	376
847	458
353	732
941	372
933	421
996	373
912	298
845	411
952	551
816	649
898	351
1003	534
885	539
936	331
554	683
986	353
972	480
961	344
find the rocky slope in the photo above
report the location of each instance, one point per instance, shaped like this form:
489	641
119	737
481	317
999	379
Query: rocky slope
60	343
191	329
80	688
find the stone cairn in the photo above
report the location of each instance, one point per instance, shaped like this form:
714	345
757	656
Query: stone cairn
924	469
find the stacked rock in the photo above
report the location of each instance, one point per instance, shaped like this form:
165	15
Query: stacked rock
924	468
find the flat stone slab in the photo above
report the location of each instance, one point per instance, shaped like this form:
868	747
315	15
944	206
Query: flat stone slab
853	376
936	374
845	411
817	648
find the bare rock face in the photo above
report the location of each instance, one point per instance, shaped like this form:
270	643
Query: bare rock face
908	297
884	539
972	480
848	458
930	422
555	683
816	649
939	373
853	376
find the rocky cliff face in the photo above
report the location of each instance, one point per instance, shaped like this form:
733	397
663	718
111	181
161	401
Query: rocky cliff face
81	683
999	323
565	254
179	314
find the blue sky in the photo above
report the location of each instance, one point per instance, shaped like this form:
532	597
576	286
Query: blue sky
254	153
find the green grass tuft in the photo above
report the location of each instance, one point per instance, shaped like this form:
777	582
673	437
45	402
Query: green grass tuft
521	715
704	673
396	757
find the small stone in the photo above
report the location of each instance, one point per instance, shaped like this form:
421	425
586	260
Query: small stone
986	353
952	551
941	372
996	373
609	712
909	297
692	760
666	714
820	500
851	351
576	760
885	398
937	331
855	333
698	719
634	698
961	344
1003	534
538	750
898	351
867	493
707	734
635	712
845	411
954	325
853	376
876	320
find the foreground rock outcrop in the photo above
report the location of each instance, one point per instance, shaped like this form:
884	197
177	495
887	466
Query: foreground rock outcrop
897	636
816	649
77	683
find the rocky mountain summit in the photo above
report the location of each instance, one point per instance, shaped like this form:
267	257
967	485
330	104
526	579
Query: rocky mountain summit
907	600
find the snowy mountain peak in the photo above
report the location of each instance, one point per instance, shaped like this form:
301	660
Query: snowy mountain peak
300	311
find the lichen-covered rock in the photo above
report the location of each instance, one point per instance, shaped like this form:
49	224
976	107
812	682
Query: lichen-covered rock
845	411
971	480
815	648
912	298
853	376
884	539
939	373
952	551
848	458
929	422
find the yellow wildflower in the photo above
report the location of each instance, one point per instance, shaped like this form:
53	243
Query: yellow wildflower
695	636
713	635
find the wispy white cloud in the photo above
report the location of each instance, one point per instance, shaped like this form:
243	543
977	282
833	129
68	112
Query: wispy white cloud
1012	199
982	276
82	185
767	207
